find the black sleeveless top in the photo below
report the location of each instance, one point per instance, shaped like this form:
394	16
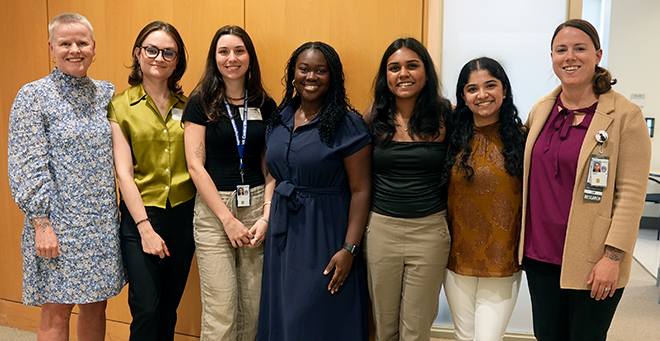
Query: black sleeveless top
406	179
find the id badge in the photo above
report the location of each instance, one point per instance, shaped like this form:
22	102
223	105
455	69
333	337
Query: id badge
177	114
597	179
598	170
242	195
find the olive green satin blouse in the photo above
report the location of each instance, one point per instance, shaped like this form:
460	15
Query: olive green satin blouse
159	160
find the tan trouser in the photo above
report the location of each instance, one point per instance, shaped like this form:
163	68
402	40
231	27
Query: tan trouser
406	260
230	278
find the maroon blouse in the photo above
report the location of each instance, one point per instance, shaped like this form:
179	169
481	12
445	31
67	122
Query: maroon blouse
551	180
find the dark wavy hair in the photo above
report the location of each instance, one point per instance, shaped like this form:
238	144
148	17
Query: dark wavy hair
211	87
511	131
430	109
135	77
335	104
603	80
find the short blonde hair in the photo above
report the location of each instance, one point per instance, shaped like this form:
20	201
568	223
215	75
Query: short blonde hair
68	18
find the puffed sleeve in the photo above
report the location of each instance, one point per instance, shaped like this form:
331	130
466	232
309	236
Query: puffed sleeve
30	179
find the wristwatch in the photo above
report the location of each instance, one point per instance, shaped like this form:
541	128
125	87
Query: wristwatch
353	249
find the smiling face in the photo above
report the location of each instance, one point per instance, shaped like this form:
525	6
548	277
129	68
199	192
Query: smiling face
483	95
157	68
231	57
574	58
73	47
312	76
406	75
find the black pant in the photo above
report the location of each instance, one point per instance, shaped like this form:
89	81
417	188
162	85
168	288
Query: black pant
155	285
564	314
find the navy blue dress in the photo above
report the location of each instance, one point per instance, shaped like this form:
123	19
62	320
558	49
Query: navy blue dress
308	224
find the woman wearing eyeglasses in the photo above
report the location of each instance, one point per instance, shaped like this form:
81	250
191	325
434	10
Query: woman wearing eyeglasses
157	192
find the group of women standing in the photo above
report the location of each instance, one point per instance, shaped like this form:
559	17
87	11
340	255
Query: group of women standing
296	211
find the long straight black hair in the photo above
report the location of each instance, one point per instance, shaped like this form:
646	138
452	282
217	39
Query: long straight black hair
430	109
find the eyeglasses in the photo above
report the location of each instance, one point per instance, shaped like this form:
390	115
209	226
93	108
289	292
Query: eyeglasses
153	52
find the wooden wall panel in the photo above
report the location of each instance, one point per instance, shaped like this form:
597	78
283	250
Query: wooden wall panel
197	21
24	58
116	25
118	22
360	31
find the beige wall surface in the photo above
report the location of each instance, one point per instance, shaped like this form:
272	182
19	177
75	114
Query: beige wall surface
359	31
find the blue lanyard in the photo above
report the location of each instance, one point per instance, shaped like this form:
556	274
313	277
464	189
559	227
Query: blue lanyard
240	142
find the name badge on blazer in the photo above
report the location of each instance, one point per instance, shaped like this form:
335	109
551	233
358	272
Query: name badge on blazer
597	179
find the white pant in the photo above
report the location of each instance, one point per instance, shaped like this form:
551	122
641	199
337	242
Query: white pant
481	307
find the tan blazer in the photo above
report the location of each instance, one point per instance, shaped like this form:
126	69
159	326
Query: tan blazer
615	220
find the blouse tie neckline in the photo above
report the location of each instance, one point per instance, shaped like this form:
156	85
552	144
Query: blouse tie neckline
561	125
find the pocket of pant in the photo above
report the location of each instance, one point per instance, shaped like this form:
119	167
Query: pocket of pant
444	226
599	229
367	227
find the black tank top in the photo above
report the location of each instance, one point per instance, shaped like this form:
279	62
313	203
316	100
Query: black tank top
406	179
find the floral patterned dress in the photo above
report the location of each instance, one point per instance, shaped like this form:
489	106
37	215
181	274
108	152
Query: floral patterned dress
61	167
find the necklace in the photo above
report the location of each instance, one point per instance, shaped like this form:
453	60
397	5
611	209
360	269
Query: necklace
310	117
399	120
162	104
233	98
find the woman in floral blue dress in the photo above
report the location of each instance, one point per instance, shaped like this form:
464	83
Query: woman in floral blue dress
61	176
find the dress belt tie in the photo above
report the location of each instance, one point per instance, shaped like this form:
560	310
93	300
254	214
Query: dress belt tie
289	201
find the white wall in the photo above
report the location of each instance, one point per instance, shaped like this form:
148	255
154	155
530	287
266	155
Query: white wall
635	59
635	56
514	32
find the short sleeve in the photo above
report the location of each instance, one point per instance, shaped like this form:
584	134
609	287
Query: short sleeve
112	114
268	109
353	135
194	112
30	178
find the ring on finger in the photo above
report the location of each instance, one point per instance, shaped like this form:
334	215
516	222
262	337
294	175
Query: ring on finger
607	288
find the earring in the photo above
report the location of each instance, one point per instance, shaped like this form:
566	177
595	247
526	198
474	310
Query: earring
93	59
293	82
53	59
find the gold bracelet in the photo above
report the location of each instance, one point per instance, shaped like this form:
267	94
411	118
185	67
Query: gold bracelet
266	203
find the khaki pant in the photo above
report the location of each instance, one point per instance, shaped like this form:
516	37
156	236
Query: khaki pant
406	260
230	278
